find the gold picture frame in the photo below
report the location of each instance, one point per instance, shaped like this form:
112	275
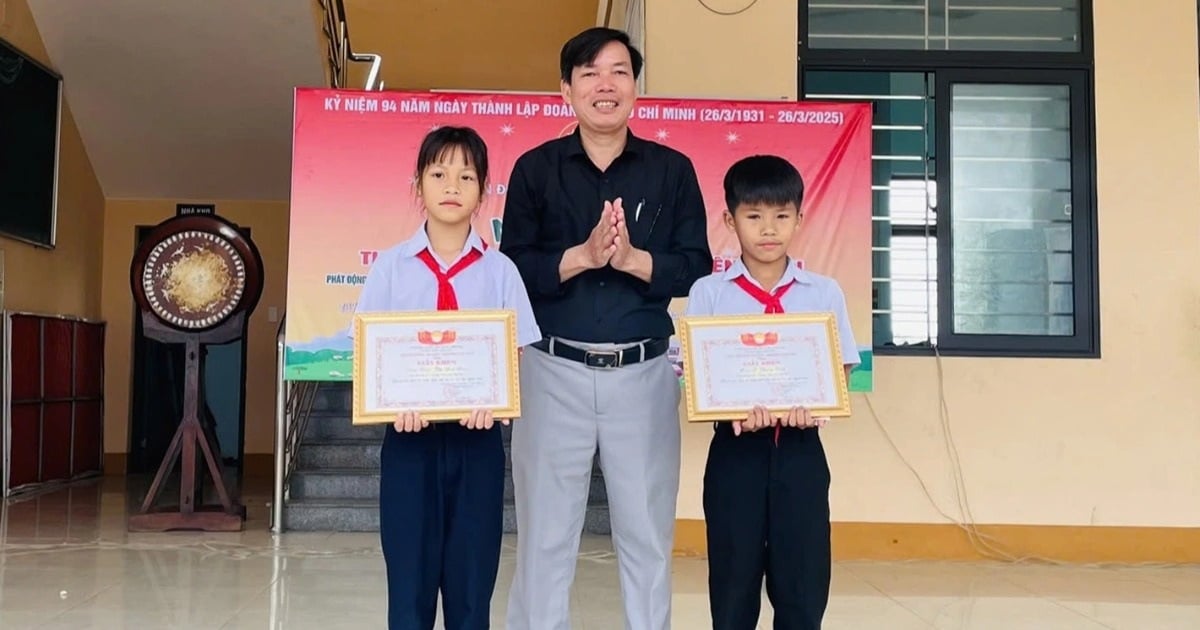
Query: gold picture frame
401	358
776	360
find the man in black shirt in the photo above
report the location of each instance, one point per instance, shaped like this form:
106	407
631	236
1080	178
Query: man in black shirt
606	228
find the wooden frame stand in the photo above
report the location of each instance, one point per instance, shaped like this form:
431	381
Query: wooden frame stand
229	516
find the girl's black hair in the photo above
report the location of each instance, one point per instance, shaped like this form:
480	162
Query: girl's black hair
444	140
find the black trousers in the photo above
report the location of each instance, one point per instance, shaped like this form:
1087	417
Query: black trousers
440	523
766	508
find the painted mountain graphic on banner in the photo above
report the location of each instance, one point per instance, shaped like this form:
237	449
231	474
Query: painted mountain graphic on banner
323	358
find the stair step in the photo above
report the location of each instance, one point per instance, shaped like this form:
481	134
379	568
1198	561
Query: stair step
358	454
334	483
356	483
335	486
332	396
361	454
362	515
342	515
336	425
317	454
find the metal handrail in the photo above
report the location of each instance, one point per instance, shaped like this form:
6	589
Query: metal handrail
281	423
293	409
340	52
300	402
294	399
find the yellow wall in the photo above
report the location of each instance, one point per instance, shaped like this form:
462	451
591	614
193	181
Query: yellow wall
465	44
74	265
87	273
1068	442
268	223
693	52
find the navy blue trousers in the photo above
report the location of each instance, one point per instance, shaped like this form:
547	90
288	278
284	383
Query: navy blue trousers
766	508
440	523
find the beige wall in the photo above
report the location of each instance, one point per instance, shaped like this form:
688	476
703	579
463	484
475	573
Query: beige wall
73	267
509	45
1070	442
87	273
693	52
268	223
1073	442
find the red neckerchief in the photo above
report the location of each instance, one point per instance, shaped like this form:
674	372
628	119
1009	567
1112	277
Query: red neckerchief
446	299
773	305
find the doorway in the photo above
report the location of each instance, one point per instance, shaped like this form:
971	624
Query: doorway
157	396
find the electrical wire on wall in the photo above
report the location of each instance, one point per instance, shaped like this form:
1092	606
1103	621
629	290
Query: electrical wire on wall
733	12
985	545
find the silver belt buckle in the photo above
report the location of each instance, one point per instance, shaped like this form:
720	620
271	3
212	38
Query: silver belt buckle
602	359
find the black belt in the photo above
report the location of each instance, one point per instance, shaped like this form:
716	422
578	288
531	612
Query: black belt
636	353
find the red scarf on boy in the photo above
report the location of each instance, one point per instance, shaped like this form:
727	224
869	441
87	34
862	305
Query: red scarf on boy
773	305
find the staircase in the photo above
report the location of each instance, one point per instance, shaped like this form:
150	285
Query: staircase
335	486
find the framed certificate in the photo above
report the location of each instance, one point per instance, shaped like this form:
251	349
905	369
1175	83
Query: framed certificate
442	364
733	363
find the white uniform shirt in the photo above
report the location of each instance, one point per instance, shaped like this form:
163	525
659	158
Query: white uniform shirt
718	294
399	281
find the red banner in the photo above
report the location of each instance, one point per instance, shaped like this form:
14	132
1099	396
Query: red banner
353	194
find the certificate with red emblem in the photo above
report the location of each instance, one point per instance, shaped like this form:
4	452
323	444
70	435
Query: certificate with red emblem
442	364
779	361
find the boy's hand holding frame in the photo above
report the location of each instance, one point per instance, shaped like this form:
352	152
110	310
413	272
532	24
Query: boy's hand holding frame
760	418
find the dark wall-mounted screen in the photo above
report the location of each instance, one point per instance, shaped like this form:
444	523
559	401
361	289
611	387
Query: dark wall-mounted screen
30	106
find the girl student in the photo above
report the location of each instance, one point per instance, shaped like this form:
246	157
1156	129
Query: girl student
441	486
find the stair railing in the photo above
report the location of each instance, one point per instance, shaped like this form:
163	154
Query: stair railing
339	51
294	399
293	409
281	393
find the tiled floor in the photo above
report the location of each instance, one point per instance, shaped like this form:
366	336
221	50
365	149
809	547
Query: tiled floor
67	562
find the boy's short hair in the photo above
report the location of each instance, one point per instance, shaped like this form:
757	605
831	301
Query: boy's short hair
442	141
583	49
763	179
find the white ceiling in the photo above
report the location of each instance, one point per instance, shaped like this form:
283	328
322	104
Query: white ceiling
184	99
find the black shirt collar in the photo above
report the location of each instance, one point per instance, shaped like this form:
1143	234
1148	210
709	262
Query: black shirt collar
633	144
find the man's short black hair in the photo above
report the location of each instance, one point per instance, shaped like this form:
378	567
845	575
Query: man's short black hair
763	179
442	142
586	46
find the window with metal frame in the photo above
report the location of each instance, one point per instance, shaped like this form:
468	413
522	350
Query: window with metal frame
992	25
983	181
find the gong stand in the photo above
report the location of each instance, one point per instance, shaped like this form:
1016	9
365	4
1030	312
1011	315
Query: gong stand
230	515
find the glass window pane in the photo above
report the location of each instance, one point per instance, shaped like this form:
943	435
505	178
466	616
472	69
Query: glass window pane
894	24
913	286
904	258
912	201
1010	155
1002	25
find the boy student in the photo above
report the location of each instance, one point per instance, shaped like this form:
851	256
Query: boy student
766	481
